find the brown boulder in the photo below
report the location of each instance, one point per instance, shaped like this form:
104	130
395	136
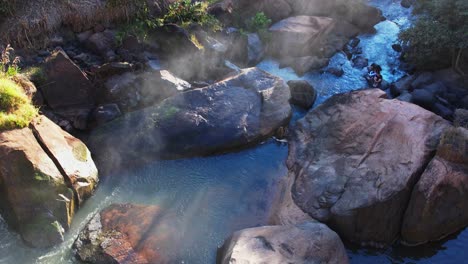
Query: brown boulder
67	86
302	65
70	155
305	243
45	174
302	93
356	158
439	202
299	36
126	233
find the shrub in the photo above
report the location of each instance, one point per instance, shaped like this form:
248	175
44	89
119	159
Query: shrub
9	63
184	13
440	35
258	23
16	110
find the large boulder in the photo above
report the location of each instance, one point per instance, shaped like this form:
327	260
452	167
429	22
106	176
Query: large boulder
353	11
136	90
233	113
305	243
302	93
126	233
67	86
45	174
356	158
439	202
299	36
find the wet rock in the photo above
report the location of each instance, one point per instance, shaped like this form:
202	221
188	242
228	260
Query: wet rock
305	243
397	47
407	3
351	171
299	36
45	174
461	118
405	97
337	71
126	233
105	113
360	62
302	93
439	202
442	111
110	69
302	65
234	113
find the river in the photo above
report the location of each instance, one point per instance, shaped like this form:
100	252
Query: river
214	196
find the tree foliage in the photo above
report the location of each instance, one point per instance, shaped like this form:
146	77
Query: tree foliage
440	35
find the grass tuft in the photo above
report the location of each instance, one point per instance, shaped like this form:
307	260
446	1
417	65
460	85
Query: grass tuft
16	110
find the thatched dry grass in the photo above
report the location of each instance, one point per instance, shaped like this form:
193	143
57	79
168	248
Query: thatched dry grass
34	20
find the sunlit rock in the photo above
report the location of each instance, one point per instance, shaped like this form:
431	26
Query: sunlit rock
305	243
356	159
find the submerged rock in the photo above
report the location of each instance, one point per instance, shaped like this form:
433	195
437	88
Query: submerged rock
126	233
356	158
439	202
45	174
305	243
233	113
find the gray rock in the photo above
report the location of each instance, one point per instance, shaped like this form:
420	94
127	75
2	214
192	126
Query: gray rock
423	98
105	113
255	49
102	43
402	85
301	244
234	113
422	79
302	93
360	62
302	65
405	97
461	118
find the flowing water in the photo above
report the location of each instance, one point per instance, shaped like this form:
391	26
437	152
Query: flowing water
211	197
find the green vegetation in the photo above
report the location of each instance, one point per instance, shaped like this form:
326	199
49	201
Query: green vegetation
440	35
258	23
36	75
184	13
16	110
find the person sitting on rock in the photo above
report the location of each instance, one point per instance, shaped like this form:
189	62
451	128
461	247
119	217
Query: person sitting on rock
377	80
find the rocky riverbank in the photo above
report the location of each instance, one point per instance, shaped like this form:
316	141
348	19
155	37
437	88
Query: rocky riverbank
362	168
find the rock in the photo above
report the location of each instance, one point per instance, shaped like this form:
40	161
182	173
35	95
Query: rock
407	3
402	86
354	12
45	174
233	113
70	155
461	118
101	43
360	62
435	88
127	233
106	113
110	69
299	36
439	202
337	71
83	36
255	50
302	93
305	243
302	65
422	79
405	97
397	47
132	91
423	98
354	42
350	170
442	111
67	86
131	43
